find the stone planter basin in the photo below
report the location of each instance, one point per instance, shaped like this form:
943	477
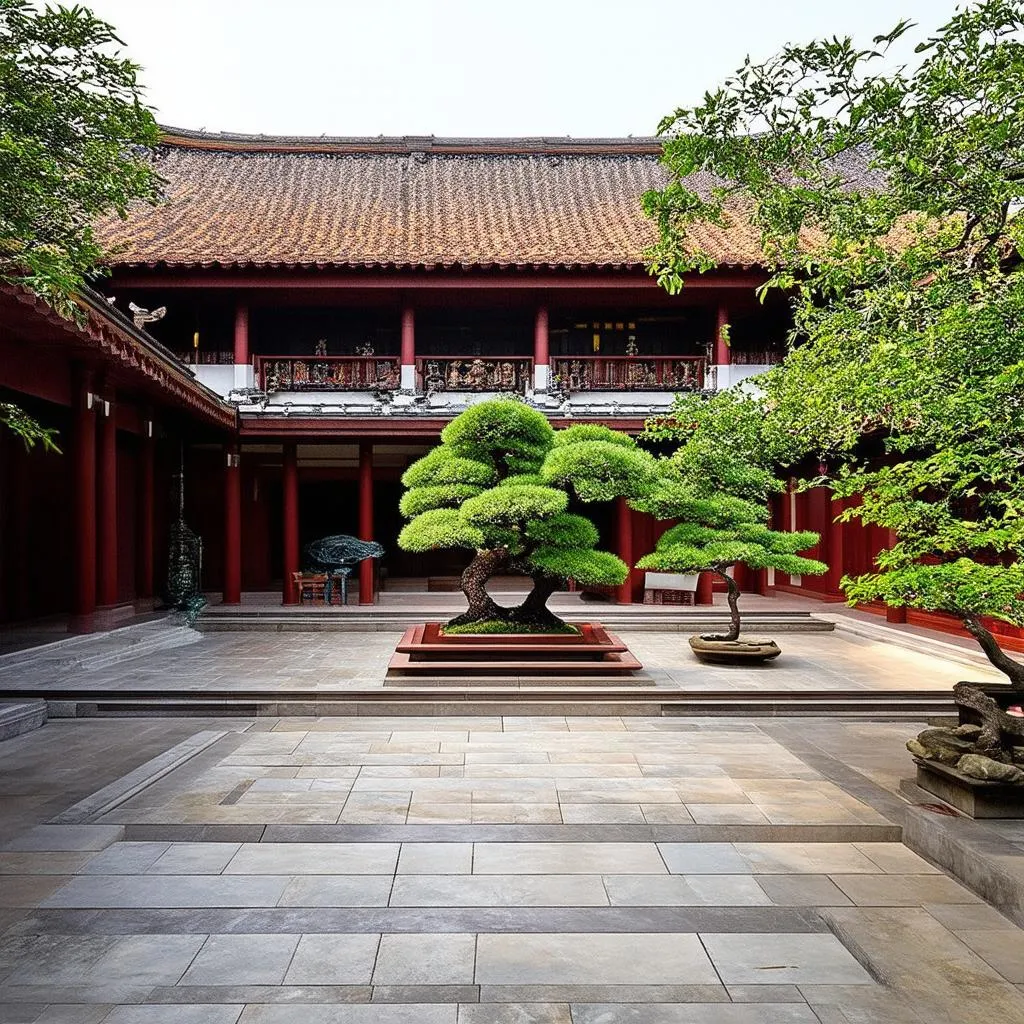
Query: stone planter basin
977	798
734	652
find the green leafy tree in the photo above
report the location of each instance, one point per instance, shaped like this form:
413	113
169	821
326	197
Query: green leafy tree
717	483
499	484
74	138
887	203
28	429
74	146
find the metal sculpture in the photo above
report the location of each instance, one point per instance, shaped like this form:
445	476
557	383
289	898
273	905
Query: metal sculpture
337	556
184	561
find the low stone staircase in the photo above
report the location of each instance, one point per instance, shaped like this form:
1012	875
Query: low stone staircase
532	699
354	619
63	659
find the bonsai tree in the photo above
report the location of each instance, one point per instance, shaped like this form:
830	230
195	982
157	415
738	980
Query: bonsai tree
719	531
717	484
960	540
890	217
499	484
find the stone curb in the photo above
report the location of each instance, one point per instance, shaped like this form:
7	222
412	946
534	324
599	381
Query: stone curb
20	717
910	641
120	790
972	853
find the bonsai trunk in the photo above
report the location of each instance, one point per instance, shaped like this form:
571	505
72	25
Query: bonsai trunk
1014	670
995	723
534	610
734	610
474	585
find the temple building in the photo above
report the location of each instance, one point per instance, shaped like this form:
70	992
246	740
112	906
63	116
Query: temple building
298	319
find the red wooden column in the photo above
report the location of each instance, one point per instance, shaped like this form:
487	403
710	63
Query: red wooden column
107	500
624	548
722	351
366	594
834	547
144	576
232	524
84	470
408	357
541	351
241	355
241	334
896	615
291	521
705	593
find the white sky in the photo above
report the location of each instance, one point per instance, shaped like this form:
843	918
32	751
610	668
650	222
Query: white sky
463	67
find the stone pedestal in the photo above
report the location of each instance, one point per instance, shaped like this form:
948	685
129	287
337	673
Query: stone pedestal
974	797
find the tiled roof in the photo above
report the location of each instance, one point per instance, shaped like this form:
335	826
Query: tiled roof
404	202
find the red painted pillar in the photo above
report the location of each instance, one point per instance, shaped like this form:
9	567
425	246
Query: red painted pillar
834	548
144	582
241	334
84	469
705	593
624	548
723	353
787	523
895	615
366	595
291	521
107	500
408	357
541	350
232	524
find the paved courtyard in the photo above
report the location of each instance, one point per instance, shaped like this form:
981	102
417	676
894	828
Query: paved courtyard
527	870
334	662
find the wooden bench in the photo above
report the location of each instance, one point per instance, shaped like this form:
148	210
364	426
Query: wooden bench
310	584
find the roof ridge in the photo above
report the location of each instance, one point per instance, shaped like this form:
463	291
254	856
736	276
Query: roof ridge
186	138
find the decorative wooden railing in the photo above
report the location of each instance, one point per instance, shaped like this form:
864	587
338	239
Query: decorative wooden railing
628	373
474	373
757	357
327	373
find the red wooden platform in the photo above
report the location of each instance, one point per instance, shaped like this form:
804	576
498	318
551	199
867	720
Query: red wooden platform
425	650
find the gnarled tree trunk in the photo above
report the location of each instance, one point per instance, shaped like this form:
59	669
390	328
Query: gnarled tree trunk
995	723
1014	670
734	610
474	585
534	610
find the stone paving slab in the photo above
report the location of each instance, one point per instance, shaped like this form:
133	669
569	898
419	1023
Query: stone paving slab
182	660
167	910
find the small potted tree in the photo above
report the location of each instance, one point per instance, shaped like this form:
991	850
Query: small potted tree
719	531
717	483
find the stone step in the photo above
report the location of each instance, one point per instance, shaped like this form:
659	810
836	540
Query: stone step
446	699
93	651
21	716
380	620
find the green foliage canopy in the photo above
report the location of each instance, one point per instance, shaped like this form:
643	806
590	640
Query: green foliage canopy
887	200
502	432
74	144
439	528
600	470
500	482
